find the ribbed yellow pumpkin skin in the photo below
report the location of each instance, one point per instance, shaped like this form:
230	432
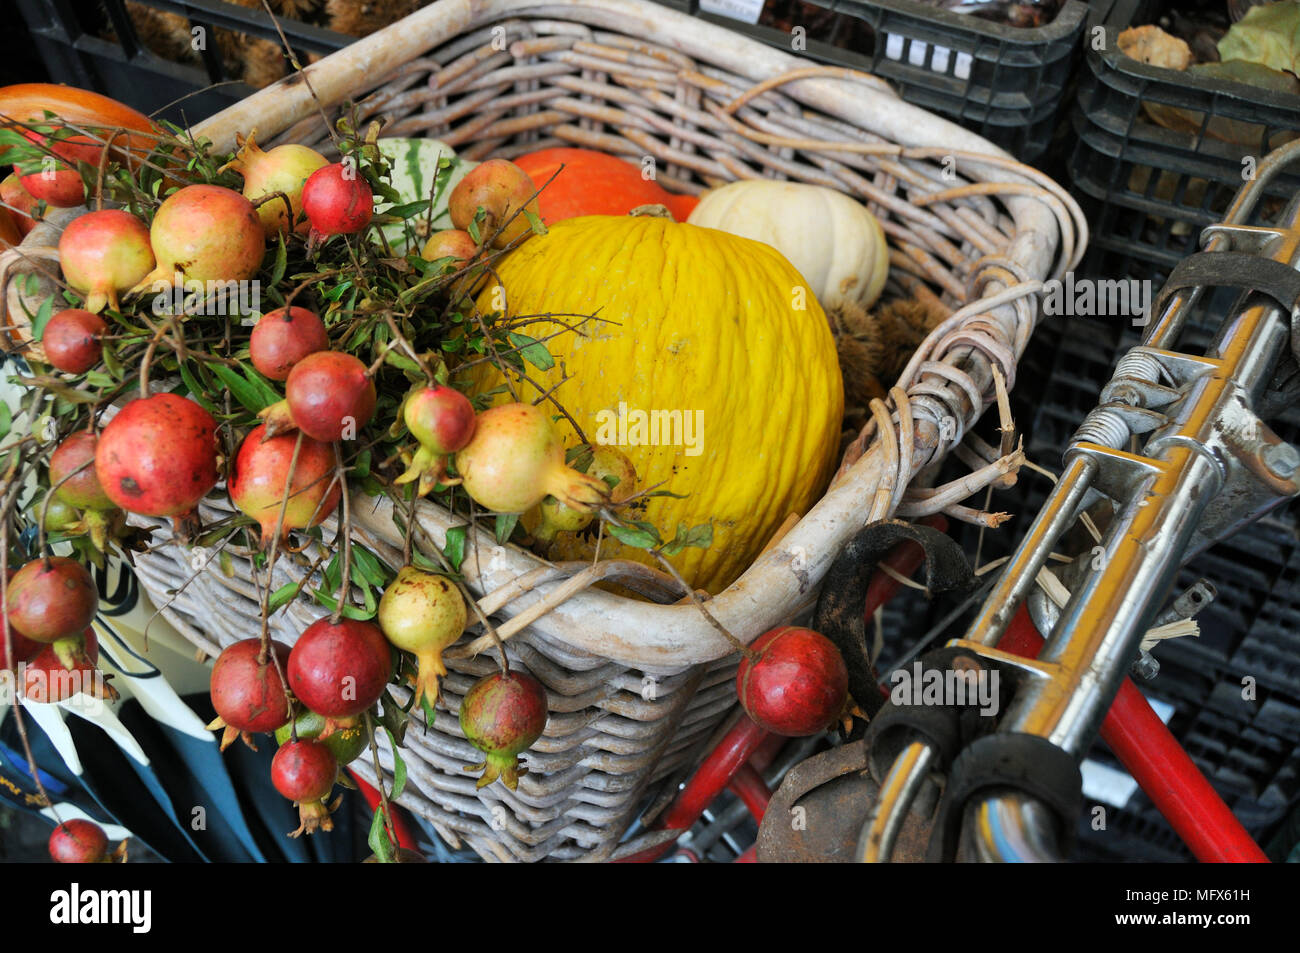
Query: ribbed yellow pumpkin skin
693	320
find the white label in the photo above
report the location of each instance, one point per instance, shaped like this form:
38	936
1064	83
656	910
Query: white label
746	11
1103	783
916	56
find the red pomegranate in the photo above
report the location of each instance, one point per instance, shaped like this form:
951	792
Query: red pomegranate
158	456
502	715
23	648
71	340
55	183
339	669
79	842
328	396
76	455
797	686
337	201
20	203
284	337
65	669
442	420
103	253
247	692
50	599
305	772
261	476
207	233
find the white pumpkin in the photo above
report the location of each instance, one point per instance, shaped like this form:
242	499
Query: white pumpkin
833	241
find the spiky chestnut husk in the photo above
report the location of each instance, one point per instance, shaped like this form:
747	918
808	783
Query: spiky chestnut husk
247	692
423	613
502	715
797	686
305	773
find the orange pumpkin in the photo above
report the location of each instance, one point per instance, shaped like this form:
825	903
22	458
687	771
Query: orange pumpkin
594	183
28	103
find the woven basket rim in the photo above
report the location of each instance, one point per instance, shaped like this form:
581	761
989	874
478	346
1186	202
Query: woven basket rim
653	637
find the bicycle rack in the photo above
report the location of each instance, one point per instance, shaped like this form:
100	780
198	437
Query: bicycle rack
1207	465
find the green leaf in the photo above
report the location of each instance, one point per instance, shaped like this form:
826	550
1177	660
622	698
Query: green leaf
506	523
430	716
1268	35
281	260
368	567
42	318
634	536
196	391
409	210
454	548
6	420
480	215
534	221
245	391
113	365
264	388
392	716
532	350
350	612
699	536
361	466
378	840
399	769
282	596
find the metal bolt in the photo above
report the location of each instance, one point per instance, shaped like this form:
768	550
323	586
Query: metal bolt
1146	667
1282	458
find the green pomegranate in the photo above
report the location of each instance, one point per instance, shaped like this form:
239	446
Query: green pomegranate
423	613
502	715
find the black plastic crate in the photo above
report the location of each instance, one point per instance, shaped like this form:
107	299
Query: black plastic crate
71	38
1007	83
1148	190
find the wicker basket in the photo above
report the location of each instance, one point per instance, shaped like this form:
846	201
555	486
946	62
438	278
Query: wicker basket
638	689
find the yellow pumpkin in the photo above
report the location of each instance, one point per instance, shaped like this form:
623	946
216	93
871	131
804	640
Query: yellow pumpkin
710	365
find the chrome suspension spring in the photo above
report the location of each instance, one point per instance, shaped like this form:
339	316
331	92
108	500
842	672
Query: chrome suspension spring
1103	427
1133	366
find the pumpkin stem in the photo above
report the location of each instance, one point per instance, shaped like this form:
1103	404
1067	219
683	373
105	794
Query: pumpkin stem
653	211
